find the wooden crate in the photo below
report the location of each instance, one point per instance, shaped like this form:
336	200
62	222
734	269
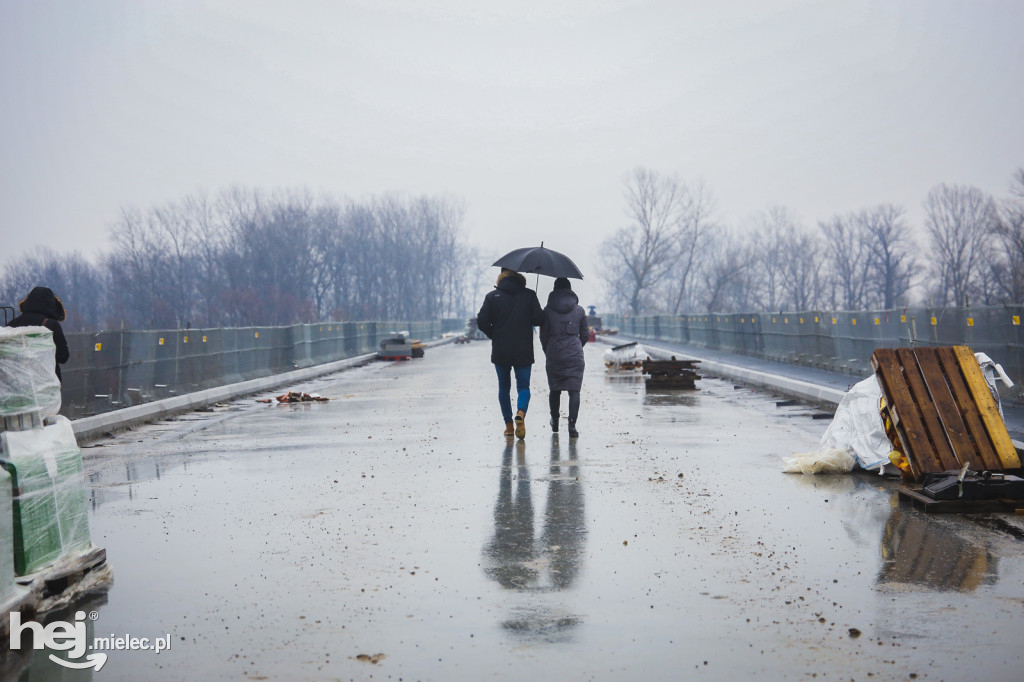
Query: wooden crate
942	410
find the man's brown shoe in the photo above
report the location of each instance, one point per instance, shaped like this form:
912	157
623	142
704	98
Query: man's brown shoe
520	424
510	429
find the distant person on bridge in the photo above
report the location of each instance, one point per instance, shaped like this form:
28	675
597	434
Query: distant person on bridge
562	336
508	316
41	308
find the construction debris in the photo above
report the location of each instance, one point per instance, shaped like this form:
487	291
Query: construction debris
297	397
671	373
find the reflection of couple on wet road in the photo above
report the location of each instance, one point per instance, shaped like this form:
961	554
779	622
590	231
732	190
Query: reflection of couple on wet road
514	558
507	318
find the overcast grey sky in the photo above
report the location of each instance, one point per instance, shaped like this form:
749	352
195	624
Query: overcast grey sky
532	111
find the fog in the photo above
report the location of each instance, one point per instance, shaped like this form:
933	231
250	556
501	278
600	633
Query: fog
532	113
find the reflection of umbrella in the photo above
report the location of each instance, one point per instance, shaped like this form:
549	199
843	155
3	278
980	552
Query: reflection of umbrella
537	259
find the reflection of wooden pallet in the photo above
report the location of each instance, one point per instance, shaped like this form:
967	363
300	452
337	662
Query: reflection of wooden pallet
915	555
943	413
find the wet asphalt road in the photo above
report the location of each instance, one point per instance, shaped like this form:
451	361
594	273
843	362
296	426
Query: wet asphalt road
394	534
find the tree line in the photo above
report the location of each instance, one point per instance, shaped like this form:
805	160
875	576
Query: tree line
250	257
675	256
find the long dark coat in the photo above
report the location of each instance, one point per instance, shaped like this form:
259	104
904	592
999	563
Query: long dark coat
508	315
41	308
562	336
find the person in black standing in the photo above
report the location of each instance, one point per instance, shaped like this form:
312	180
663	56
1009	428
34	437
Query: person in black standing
507	317
42	308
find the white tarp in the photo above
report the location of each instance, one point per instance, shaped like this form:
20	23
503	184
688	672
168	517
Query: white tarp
858	427
631	354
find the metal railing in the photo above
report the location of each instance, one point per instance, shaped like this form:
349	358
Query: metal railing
110	370
842	341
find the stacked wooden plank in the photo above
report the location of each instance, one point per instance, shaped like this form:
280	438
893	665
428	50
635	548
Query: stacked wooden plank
671	373
941	410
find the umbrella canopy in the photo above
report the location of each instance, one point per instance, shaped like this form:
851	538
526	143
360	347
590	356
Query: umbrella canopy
537	259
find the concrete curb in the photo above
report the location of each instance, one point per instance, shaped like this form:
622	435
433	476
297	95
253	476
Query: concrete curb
89	428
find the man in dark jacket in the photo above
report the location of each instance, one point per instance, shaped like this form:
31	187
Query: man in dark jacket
508	316
41	308
562	336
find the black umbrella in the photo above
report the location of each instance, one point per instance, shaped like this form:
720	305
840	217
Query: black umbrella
537	259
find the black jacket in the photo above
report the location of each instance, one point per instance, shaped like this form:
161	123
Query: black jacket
508	316
41	308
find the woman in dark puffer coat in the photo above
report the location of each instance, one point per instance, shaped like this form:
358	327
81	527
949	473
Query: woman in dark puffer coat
562	336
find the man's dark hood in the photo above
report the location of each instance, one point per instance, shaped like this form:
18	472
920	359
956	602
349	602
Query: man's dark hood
563	300
42	301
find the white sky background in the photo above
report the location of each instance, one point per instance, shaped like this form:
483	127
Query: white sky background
532	111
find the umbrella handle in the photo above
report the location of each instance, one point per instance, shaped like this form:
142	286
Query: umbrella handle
536	285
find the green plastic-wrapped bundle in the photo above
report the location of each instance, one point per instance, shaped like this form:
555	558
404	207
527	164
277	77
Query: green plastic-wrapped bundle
49	495
6	537
28	382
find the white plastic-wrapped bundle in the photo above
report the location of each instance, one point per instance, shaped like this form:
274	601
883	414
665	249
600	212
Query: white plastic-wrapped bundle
28	383
6	537
626	356
50	500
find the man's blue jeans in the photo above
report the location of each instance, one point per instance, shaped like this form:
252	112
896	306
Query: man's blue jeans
505	388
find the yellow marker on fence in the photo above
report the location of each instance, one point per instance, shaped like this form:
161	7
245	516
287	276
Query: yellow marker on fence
257	335
99	346
970	321
877	322
204	339
801	320
935	321
161	341
903	318
185	340
853	321
1016	320
834	320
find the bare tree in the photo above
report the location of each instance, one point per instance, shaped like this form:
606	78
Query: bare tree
137	269
771	229
79	284
695	227
639	255
892	252
961	222
848	254
724	272
1010	233
801	268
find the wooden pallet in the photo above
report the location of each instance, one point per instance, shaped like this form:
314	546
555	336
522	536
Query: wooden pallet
671	373
919	500
943	413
